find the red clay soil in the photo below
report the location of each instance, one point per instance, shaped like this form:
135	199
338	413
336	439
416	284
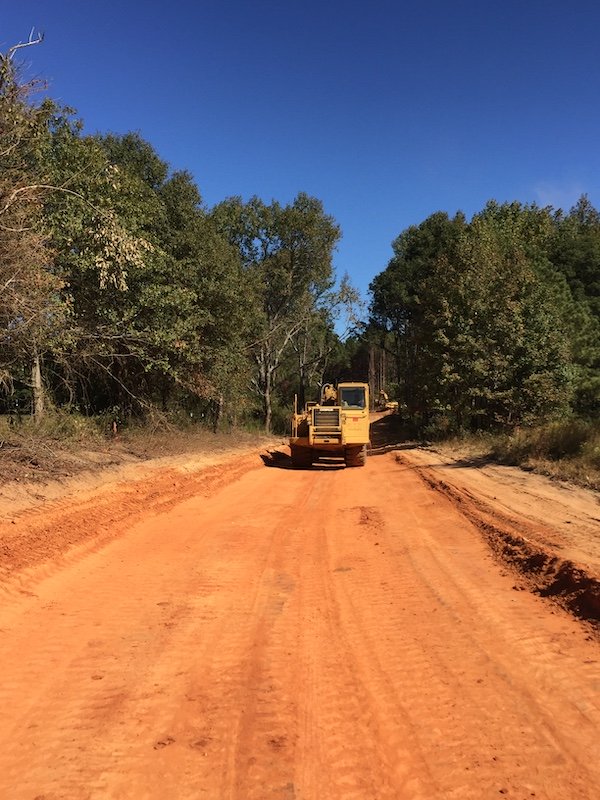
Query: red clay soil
251	631
549	533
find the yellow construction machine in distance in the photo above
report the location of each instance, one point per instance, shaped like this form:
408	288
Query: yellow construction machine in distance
337	425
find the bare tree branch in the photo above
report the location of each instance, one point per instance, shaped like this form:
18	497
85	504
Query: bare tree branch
49	187
31	41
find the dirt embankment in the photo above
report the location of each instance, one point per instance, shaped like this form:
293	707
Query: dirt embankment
41	521
47	459
548	532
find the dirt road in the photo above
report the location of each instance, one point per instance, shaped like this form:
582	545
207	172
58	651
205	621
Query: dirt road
270	633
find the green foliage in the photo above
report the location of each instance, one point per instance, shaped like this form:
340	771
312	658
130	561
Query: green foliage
151	284
285	253
399	302
483	325
568	439
575	250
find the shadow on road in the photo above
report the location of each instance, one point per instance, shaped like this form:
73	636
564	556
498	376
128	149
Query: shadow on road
276	458
473	462
281	460
391	433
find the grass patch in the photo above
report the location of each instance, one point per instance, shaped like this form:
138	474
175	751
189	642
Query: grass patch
61	445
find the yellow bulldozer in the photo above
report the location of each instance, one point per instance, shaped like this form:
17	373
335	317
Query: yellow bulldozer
336	425
384	403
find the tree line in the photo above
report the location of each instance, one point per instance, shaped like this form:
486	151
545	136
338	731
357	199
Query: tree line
121	293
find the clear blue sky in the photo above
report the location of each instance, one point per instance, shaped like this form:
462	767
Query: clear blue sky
386	111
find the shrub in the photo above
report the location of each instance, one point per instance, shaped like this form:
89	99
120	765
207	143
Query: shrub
555	441
560	439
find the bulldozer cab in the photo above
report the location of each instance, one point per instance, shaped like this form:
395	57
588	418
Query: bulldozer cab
352	397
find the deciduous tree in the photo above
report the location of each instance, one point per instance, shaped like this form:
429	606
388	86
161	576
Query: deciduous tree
286	254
